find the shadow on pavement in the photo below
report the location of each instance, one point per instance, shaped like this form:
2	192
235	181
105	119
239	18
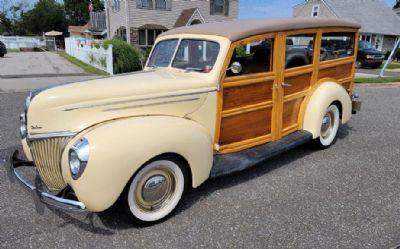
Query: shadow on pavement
107	222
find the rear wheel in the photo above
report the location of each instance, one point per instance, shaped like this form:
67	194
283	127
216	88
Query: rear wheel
155	190
329	127
1	55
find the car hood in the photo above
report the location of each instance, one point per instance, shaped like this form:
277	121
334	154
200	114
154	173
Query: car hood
371	52
73	107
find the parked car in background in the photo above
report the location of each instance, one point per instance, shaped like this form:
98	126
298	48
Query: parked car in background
3	49
369	56
213	99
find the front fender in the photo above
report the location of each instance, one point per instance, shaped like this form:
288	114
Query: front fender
321	98
119	148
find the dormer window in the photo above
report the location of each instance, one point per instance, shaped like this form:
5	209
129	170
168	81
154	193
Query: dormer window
219	7
147	4
161	4
315	10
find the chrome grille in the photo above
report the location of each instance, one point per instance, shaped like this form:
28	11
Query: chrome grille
46	154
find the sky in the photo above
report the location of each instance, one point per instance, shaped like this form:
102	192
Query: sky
250	9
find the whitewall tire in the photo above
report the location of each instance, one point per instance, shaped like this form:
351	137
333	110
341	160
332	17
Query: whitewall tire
155	190
329	127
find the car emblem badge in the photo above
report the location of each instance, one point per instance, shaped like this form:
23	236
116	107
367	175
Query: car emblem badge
36	127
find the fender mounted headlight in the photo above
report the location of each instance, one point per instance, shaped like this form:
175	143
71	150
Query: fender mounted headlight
78	158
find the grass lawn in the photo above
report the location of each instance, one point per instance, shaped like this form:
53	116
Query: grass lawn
393	65
88	69
377	80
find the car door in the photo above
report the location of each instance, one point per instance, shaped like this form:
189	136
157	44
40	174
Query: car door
248	99
298	75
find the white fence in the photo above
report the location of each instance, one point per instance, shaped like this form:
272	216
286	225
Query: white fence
81	49
17	42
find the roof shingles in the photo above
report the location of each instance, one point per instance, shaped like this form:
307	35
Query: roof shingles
375	16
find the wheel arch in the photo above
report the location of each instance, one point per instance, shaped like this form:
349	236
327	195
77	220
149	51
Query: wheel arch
327	92
109	172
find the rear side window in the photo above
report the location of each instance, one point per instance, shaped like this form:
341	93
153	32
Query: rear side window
337	45
299	50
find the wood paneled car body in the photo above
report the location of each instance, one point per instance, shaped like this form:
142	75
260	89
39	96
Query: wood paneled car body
213	99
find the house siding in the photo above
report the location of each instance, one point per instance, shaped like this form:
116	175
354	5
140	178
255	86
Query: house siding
388	43
116	19
167	18
305	9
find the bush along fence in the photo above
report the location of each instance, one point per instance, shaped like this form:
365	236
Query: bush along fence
96	56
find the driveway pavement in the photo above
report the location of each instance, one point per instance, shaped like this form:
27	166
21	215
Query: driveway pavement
36	64
343	197
26	71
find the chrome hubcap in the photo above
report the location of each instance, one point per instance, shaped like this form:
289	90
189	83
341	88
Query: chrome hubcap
155	189
327	125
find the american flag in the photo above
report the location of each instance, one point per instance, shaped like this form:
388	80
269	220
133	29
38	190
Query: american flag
90	6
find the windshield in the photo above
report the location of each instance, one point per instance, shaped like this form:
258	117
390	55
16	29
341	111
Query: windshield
196	55
192	55
366	45
162	53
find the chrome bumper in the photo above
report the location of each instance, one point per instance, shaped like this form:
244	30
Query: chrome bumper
40	198
356	104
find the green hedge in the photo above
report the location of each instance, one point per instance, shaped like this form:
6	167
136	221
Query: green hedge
126	58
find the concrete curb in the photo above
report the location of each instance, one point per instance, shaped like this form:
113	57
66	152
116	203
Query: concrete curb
391	84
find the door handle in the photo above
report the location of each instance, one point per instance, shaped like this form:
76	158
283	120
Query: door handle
286	84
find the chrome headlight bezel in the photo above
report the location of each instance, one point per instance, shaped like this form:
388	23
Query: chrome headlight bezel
22	126
78	157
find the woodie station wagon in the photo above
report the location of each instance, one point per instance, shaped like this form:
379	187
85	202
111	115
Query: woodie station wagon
213	99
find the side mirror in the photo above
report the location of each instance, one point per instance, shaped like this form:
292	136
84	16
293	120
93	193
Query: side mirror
236	67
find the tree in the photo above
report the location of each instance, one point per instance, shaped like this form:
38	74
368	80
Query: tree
46	15
397	5
77	11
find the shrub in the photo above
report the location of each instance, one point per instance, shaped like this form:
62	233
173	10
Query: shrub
125	58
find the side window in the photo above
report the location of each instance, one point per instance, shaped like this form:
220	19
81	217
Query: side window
255	57
299	50
337	45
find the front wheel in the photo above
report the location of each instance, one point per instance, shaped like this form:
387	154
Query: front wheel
155	190
329	127
1	55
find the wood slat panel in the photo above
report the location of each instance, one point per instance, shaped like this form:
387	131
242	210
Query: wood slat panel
298	83
245	126
336	72
247	95
291	112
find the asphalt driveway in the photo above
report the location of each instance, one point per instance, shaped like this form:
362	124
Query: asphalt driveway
343	197
36	64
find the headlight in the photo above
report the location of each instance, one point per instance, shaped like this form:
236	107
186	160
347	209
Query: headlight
22	125
78	158
370	56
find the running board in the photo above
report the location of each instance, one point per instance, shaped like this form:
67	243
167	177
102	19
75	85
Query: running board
233	162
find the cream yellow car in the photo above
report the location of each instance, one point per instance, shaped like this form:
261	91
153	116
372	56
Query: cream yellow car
213	99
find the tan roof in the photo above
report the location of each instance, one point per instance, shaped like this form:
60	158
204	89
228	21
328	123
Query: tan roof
236	30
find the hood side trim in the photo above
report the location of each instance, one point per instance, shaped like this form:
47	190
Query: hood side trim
201	91
151	104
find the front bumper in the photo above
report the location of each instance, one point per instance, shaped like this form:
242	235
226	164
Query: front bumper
41	198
